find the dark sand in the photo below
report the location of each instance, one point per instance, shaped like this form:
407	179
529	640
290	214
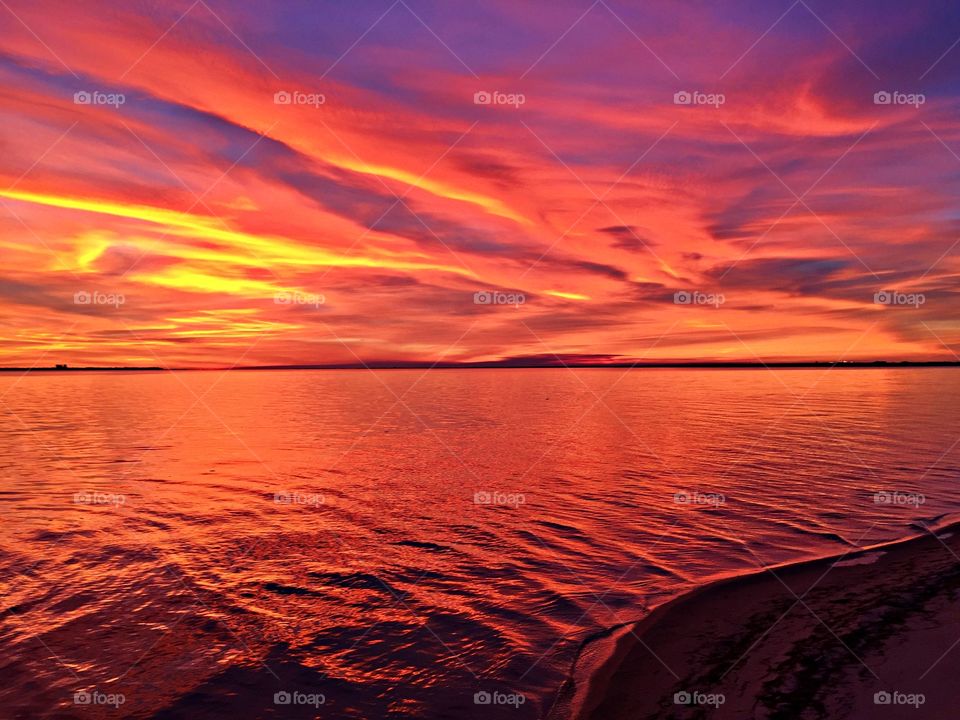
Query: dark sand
882	619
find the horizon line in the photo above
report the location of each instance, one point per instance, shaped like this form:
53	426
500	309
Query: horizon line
510	365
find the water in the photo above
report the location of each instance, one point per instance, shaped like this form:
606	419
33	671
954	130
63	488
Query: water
198	542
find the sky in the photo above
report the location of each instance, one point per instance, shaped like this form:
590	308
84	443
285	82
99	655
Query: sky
222	184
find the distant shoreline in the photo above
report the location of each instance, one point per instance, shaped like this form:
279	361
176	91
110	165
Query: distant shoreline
83	369
868	364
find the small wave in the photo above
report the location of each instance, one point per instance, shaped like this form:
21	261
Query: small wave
568	529
52	536
932	523
432	547
290	590
353	581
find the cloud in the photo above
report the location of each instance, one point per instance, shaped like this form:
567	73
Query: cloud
399	197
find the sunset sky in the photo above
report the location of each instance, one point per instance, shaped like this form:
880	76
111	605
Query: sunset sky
186	216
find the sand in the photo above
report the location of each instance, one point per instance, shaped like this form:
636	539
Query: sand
817	639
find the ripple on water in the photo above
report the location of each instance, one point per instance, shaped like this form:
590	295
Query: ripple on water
395	595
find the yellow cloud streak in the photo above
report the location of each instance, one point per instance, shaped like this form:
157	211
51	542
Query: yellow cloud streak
491	205
209	317
180	278
271	248
566	295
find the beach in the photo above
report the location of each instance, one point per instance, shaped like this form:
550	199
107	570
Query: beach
866	634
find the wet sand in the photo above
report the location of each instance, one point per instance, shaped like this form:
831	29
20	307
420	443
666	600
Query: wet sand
817	639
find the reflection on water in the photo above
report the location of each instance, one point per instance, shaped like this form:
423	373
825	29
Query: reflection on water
406	544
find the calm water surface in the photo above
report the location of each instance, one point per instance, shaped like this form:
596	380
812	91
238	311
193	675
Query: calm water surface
392	543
